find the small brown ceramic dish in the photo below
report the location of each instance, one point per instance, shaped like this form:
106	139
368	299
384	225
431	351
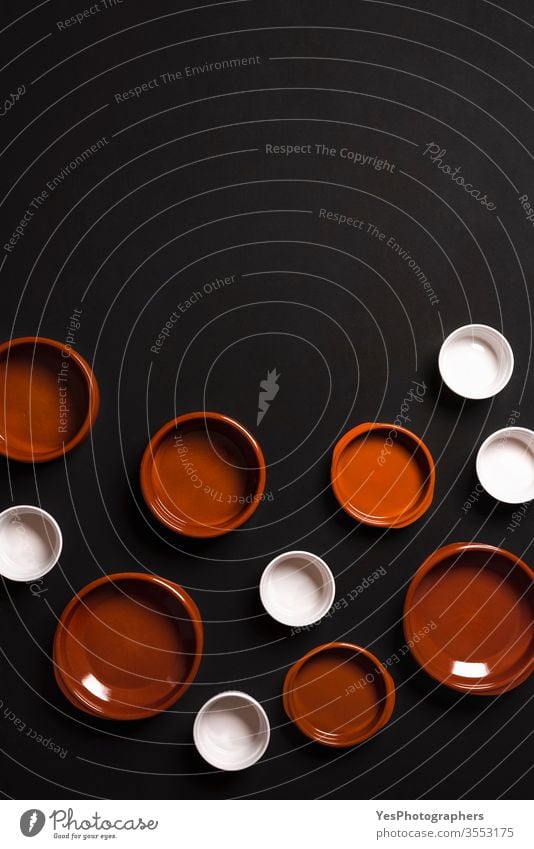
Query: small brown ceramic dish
203	474
127	646
383	475
469	618
49	399
339	694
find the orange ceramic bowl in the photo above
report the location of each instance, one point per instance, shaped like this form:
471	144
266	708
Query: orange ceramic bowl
469	618
49	399
203	474
383	475
339	694
127	646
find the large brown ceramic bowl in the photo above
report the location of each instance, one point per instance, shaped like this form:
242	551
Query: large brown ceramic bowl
339	694
469	618
383	475
127	646
49	399
203	474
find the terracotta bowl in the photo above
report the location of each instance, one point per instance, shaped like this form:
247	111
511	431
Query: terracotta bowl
339	694
469	618
127	646
49	399
383	475
203	474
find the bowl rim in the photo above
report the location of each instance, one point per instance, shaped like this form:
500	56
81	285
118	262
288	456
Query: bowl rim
392	521
260	710
55	554
191	528
318	561
346	739
463	330
28	456
513	429
61	635
434	559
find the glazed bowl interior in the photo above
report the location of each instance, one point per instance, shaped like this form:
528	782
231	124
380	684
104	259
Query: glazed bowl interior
339	694
127	646
48	399
383	475
203	475
475	606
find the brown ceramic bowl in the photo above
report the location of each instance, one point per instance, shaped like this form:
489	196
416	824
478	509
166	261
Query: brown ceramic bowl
339	694
469	618
383	475
49	399
127	646
202	474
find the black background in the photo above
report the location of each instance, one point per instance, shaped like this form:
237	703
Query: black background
185	194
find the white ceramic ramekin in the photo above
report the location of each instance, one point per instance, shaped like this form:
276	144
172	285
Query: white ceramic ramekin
30	543
476	361
297	588
231	731
505	465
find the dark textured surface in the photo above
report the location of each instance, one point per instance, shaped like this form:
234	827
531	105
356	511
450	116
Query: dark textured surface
184	193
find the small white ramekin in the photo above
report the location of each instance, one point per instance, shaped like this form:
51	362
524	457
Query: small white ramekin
297	588
231	731
30	543
505	465
476	361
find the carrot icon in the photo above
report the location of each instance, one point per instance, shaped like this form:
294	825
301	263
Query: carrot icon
268	392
